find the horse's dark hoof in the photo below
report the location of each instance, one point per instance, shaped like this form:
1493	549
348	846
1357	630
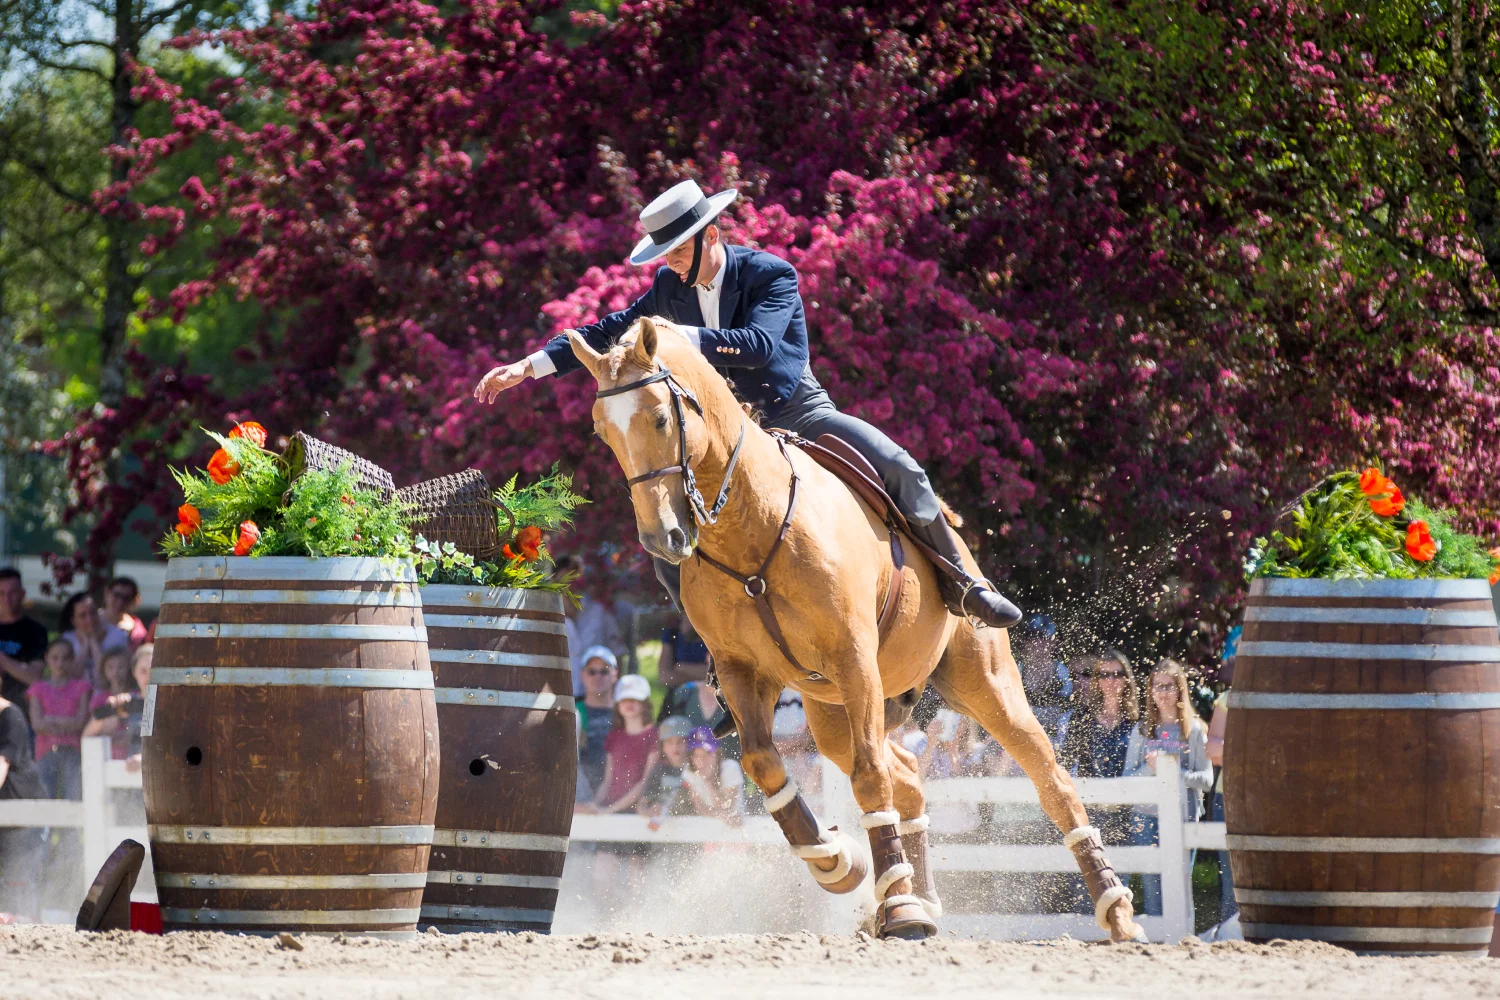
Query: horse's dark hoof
906	919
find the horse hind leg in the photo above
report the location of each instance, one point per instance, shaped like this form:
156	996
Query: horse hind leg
978	677
833	858
898	839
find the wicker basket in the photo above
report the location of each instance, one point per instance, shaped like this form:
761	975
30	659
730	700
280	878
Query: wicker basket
304	452
459	509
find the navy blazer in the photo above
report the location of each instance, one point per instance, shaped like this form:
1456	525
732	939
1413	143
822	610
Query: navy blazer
760	310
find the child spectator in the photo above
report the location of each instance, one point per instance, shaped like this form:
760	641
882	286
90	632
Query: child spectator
596	717
629	750
121	598
59	709
1170	727
663	795
715	784
110	707
89	636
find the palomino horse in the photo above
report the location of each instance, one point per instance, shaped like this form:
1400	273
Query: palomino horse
823	559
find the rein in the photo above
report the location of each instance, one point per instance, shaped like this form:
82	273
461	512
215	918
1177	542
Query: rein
701	511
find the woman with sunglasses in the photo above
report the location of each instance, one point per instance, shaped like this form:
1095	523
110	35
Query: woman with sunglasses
1170	727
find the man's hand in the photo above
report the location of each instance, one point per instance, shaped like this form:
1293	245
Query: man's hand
502	378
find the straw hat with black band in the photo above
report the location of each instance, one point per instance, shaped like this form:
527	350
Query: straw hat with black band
682	212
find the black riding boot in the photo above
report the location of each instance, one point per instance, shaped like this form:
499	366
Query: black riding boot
965	595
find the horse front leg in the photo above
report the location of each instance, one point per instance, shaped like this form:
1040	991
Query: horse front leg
901	912
831	731
833	858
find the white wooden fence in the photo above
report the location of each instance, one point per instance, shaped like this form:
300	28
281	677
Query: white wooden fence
93	816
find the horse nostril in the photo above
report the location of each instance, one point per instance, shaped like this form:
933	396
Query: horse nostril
676	540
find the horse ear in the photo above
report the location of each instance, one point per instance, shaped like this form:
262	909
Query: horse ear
591	359
645	343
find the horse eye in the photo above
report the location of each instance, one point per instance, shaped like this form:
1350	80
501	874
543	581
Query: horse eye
661	422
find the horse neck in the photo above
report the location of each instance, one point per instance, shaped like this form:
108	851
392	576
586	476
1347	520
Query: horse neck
758	484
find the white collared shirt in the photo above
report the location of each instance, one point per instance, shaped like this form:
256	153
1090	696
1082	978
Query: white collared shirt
708	305
708	298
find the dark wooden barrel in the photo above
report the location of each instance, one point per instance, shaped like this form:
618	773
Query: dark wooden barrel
510	757
1361	770
290	746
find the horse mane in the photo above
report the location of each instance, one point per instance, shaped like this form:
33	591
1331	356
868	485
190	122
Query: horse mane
688	365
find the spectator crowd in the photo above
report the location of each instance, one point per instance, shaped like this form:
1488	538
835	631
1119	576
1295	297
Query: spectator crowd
88	679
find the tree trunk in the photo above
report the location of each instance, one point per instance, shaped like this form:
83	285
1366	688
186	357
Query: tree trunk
119	284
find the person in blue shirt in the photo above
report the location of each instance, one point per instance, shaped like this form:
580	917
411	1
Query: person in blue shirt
742	309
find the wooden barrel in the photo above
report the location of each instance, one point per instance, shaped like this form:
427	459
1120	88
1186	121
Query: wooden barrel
290	746
1362	764
510	758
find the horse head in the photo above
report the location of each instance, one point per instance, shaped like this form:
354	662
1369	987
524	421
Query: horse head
657	439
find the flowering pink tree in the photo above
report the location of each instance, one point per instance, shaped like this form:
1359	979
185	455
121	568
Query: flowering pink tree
1042	299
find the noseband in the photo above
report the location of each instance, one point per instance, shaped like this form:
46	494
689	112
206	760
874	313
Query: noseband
703	513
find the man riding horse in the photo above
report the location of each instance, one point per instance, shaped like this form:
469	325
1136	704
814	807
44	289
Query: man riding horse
743	309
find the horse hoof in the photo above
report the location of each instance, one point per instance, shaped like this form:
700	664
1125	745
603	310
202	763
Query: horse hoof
907	921
851	871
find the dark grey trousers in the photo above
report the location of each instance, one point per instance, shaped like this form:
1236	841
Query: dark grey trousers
811	413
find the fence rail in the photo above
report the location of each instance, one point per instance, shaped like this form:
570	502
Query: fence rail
101	775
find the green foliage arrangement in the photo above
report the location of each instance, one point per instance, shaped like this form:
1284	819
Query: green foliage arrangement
546	504
1359	526
245	503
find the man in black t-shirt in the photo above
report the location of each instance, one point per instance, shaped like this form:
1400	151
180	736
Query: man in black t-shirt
20	848
23	642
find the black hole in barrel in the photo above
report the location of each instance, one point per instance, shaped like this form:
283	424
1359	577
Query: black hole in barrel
194	756
476	767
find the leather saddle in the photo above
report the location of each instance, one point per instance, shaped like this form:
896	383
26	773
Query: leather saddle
840	458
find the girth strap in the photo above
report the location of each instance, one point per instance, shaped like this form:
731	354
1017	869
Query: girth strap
755	584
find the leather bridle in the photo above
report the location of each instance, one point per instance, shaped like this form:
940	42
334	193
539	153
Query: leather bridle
755	585
703	513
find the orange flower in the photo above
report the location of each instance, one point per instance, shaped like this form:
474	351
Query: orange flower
1495	576
1419	543
188	520
246	539
250	431
505	550
222	468
1372	482
530	540
1388	506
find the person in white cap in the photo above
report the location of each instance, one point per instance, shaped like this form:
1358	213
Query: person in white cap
743	310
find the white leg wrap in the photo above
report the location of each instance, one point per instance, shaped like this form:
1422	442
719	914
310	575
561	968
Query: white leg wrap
846	861
917	824
808	852
1108	898
783	798
1081	834
899	900
892	874
871	820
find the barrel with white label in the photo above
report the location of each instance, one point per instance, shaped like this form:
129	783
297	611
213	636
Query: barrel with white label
510	757
290	746
1362	764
